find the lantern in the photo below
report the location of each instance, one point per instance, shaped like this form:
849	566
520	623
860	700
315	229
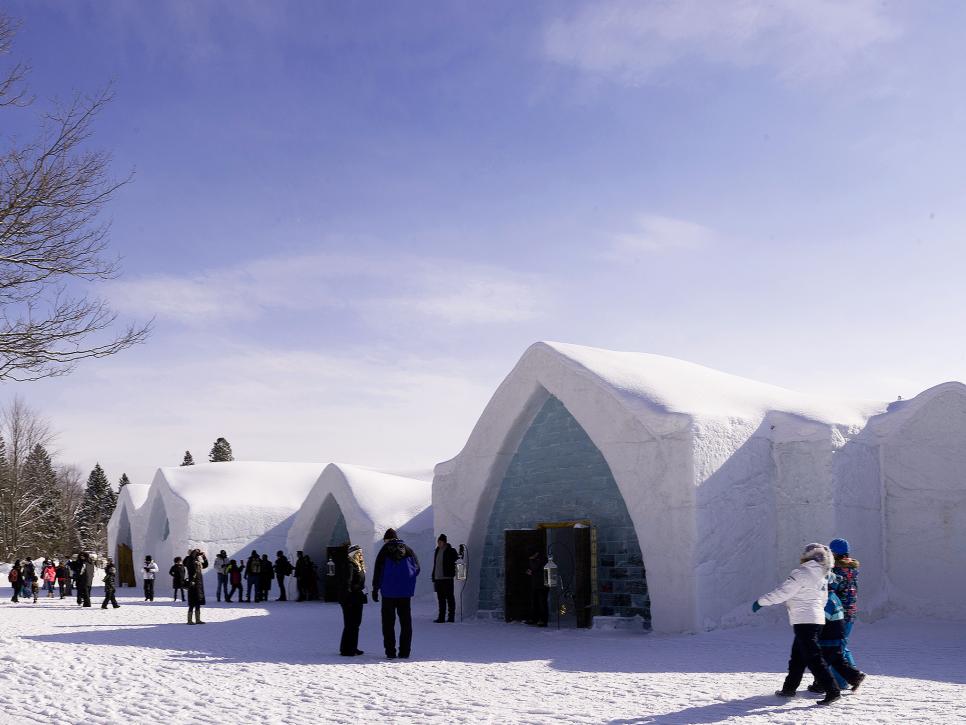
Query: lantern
461	564
550	577
330	567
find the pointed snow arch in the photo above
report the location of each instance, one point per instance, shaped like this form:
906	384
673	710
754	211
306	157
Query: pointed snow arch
357	505
558	474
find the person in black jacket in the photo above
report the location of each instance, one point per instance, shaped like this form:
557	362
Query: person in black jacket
110	580
179	577
195	564
352	595
85	579
444	572
283	568
76	565
301	576
265	575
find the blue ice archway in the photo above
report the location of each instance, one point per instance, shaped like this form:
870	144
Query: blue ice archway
558	474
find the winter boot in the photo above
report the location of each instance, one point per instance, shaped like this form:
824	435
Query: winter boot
859	680
191	616
785	693
816	688
830	697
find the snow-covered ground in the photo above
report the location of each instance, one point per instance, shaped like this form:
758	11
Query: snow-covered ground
277	663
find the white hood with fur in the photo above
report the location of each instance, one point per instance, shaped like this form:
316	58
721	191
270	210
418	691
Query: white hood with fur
805	591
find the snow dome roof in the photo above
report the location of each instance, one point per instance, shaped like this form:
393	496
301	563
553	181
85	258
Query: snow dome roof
387	499
135	494
668	385
241	484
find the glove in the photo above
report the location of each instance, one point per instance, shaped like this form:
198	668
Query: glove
756	606
375	595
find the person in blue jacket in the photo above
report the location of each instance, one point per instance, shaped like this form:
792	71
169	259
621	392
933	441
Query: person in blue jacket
394	574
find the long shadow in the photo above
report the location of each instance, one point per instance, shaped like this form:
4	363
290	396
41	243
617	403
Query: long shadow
719	712
308	633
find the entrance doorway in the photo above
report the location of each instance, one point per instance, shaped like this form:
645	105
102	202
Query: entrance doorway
125	566
340	557
573	546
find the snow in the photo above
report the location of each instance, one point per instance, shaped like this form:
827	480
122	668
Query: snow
128	519
142	664
670	385
718	471
371	502
236	506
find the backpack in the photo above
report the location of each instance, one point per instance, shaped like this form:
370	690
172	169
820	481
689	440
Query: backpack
12	576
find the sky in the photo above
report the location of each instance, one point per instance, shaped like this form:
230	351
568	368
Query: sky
349	220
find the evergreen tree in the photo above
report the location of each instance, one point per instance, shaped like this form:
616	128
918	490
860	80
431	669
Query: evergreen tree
221	452
95	512
45	534
188	459
123	482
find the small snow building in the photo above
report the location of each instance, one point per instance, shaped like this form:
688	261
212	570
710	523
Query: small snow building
671	494
352	504
125	531
236	506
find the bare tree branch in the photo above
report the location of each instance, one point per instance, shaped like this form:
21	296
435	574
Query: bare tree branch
52	192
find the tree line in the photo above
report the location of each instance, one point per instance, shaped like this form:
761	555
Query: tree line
46	508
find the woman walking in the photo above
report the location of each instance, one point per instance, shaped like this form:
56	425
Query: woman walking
352	596
14	577
805	593
196	563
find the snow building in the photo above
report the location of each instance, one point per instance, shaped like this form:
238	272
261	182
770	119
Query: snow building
352	504
236	506
671	494
125	531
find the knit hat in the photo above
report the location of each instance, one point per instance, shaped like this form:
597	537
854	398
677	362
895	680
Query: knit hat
354	548
839	547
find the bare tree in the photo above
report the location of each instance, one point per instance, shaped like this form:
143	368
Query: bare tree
70	480
52	190
22	429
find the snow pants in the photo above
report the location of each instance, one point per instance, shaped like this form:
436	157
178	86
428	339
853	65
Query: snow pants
807	653
149	590
392	606
83	595
63	585
445	598
109	598
351	622
234	588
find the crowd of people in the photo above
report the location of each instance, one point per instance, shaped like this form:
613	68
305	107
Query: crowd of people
820	595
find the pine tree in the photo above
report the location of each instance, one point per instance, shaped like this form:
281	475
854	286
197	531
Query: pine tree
221	452
95	512
123	482
45	535
188	459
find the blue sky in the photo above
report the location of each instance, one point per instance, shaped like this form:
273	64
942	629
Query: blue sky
350	219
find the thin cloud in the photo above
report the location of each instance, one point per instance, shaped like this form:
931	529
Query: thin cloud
632	42
654	233
443	290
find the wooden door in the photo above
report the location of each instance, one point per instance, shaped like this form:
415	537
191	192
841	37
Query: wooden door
340	557
518	544
125	566
585	585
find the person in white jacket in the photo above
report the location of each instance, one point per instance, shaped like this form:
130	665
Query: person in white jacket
148	572
805	593
221	570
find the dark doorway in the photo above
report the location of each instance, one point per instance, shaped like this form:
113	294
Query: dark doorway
338	555
125	566
519	545
572	546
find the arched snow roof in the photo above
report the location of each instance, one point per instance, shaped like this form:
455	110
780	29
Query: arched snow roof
651	383
371	502
234	505
130	503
